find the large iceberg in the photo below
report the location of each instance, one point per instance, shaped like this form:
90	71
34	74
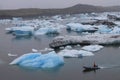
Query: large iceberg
92	48
38	60
74	53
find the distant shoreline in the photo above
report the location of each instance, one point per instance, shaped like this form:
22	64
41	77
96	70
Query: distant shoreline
80	8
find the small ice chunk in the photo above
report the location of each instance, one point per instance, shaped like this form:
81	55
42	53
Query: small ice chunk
92	48
78	45
34	50
9	54
68	47
62	47
75	27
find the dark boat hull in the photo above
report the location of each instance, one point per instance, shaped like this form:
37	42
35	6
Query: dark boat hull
90	68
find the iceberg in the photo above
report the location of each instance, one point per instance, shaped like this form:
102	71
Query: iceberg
47	30
92	48
103	29
68	47
22	28
74	53
116	30
75	27
80	27
38	60
9	54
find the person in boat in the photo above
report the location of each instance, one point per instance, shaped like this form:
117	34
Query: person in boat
94	65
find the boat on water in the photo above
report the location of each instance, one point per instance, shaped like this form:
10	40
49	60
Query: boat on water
91	68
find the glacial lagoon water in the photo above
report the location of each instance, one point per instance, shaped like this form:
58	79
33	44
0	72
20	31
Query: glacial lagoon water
108	58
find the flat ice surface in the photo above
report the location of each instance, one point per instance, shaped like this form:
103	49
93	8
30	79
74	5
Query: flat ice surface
38	60
47	30
92	48
74	53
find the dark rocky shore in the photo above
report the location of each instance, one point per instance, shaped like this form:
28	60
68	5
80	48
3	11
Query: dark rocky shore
80	8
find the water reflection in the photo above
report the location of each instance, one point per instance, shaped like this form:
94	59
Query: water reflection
52	35
22	38
87	71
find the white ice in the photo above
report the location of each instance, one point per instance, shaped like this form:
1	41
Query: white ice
92	48
116	30
74	53
23	28
12	55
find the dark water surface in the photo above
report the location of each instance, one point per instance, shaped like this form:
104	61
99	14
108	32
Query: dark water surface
108	57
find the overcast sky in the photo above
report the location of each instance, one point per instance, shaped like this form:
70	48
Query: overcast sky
15	4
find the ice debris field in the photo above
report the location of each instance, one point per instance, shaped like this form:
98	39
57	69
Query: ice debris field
94	29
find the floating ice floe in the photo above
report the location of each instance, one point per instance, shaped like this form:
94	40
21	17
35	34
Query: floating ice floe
96	38
57	17
9	54
47	30
103	29
116	30
62	47
74	53
44	50
5	21
21	28
92	48
68	47
38	60
79	27
35	50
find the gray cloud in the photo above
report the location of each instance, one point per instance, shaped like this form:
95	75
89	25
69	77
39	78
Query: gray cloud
14	4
